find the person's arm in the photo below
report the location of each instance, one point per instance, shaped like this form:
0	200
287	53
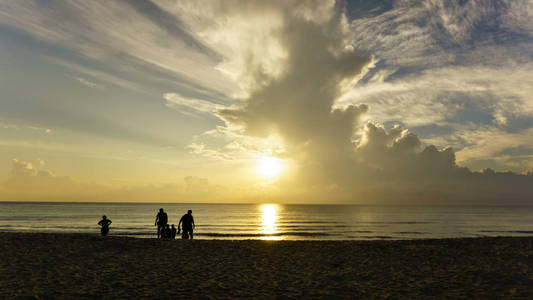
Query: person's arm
110	222
99	223
156	219
193	225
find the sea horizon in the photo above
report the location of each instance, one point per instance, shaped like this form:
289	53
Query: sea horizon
274	221
278	203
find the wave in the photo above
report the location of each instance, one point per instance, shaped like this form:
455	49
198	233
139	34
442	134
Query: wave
279	224
64	227
133	233
217	234
403	222
508	231
309	222
45	218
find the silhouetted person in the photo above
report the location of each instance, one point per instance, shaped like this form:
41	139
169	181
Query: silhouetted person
104	223
173	232
161	221
168	232
188	225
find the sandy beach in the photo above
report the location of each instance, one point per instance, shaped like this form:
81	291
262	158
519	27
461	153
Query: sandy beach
73	266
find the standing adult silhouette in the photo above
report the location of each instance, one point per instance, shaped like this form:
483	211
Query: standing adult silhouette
188	223
161	221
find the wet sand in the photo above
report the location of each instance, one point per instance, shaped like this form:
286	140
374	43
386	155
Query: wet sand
89	266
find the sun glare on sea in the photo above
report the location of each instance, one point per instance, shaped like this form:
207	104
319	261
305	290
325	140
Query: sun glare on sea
268	166
269	221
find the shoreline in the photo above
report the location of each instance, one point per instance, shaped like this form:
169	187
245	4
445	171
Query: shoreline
76	265
272	237
228	237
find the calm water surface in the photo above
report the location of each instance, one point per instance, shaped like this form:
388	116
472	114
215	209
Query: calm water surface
274	221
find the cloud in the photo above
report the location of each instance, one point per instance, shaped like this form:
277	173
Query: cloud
437	33
467	68
411	173
296	102
439	95
24	176
185	104
518	16
496	145
316	108
455	61
382	75
103	33
85	82
29	183
171	24
302	81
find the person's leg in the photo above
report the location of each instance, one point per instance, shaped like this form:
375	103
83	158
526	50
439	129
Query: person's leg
190	233
158	230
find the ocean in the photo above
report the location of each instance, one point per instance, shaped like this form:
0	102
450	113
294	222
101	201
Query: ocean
274	221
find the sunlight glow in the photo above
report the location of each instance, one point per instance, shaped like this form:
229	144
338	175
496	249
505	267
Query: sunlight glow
268	166
269	221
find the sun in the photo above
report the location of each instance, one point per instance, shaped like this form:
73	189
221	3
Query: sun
268	166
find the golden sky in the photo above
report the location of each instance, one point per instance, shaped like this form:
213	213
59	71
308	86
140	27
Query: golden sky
267	101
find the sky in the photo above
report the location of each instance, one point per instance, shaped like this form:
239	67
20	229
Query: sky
363	102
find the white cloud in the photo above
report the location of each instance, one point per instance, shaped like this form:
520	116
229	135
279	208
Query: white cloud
113	33
179	102
85	82
434	96
491	142
382	75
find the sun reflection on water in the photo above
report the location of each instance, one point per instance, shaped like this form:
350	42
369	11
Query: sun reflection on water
269	224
